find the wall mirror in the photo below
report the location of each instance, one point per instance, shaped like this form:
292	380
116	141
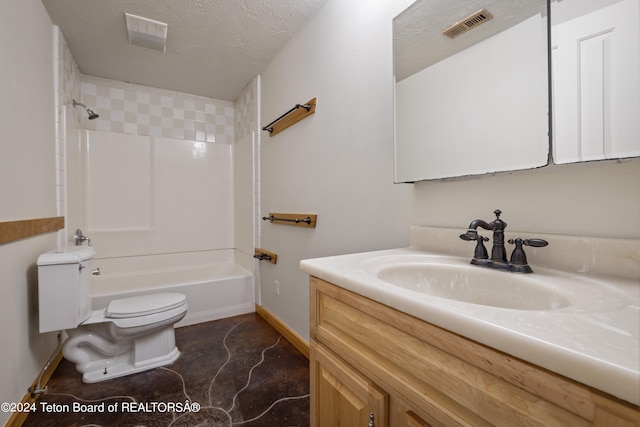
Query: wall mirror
595	47
476	103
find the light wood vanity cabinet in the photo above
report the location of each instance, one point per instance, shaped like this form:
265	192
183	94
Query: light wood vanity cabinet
369	358
343	396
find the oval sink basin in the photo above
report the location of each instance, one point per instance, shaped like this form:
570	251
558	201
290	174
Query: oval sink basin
475	285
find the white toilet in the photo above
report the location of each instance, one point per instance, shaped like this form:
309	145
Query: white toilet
130	335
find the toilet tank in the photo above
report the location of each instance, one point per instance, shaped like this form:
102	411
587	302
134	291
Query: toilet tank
64	280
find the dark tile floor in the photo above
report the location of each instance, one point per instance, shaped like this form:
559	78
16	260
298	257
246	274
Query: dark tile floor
232	372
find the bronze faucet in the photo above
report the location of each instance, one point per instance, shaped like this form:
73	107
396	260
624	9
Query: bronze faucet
498	260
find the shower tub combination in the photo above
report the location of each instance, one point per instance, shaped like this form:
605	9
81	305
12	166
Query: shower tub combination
216	286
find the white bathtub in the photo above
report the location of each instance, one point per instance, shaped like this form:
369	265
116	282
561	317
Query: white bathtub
215	286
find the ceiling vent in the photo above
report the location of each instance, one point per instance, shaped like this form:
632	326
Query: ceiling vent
146	32
467	23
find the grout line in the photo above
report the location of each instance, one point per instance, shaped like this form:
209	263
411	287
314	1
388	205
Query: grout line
251	372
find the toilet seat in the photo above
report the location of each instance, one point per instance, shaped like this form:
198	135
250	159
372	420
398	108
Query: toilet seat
140	311
143	305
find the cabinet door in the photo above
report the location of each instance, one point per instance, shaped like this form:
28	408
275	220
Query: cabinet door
404	414
342	397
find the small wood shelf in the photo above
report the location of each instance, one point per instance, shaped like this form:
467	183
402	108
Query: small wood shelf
16	230
292	117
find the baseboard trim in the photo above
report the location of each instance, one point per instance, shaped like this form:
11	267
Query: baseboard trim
18	418
285	331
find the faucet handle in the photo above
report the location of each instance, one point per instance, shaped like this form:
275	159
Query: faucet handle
536	243
480	251
518	257
469	235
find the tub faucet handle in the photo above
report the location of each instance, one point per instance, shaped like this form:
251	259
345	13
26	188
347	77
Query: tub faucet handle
263	257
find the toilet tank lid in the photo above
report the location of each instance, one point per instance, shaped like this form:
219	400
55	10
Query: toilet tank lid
71	255
144	305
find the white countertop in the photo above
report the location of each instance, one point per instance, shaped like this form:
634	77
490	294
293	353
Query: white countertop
595	340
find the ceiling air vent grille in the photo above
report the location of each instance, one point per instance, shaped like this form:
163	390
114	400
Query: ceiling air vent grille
146	32
467	23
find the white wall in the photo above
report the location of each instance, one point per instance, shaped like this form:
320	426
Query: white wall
589	199
27	186
337	163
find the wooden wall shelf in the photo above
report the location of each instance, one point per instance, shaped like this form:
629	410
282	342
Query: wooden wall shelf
291	117
16	230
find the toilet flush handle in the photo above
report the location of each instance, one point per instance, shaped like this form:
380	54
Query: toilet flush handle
80	238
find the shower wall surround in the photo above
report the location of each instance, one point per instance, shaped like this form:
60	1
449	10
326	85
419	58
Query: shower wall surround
129	109
142	110
246	157
177	142
186	141
247	131
169	196
247	115
67	120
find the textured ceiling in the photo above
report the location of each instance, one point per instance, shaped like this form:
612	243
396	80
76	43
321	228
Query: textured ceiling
214	47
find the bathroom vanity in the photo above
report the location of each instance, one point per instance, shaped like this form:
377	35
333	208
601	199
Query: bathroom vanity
388	355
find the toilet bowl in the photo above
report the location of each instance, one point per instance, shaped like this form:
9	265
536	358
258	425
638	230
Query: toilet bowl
130	335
